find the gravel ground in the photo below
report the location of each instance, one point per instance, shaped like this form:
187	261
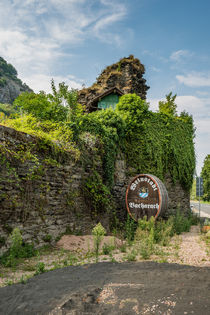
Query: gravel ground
125	288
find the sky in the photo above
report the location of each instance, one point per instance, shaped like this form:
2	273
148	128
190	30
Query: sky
74	40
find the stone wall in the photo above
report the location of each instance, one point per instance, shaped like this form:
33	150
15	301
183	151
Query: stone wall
41	192
42	189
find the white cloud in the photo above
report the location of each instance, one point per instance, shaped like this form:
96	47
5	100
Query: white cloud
34	34
195	79
178	55
42	82
196	106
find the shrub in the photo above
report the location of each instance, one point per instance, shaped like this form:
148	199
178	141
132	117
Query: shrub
18	249
145	236
164	231
107	249
181	223
131	256
130	228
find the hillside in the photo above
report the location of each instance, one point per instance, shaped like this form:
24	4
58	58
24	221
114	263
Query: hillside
10	85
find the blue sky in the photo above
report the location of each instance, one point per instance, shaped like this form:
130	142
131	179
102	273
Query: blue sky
73	40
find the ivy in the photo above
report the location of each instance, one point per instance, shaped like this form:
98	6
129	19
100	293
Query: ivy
156	143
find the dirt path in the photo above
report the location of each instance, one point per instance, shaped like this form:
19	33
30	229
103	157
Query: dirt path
192	250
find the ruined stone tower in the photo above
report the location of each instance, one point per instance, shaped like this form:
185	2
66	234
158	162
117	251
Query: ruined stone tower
125	75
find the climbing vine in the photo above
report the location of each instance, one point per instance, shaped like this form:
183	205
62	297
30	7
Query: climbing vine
156	143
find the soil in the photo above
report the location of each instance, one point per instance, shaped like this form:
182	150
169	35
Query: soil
126	288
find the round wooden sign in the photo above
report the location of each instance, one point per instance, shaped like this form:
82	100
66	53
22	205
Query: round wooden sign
147	196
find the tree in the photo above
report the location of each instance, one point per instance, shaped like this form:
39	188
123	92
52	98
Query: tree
61	105
66	98
7	109
205	174
168	107
36	104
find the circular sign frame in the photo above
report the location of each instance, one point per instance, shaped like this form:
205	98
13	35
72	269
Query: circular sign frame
146	195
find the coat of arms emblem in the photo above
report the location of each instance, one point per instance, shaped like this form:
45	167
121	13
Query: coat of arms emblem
143	192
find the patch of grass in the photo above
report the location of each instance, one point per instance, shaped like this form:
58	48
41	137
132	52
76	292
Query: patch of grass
40	268
107	249
163	260
123	248
131	256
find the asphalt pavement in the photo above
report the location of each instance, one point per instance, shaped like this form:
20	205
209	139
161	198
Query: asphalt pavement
128	288
204	209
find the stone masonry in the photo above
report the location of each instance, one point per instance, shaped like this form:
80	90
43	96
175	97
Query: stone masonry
126	75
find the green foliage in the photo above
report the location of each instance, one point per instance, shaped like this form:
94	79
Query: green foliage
109	126
130	228
65	98
164	230
107	249
132	109
47	238
131	256
7	109
205	174
145	236
151	232
98	233
168	107
157	143
17	250
59	106
180	223
97	194
7	69
40	268
40	106
49	132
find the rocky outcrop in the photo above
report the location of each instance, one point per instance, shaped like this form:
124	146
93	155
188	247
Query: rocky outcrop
126	75
10	85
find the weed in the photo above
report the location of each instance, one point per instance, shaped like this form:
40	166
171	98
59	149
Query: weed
47	238
98	234
40	268
163	260
112	259
181	223
130	228
72	259
107	249
24	279
123	248
18	249
131	256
